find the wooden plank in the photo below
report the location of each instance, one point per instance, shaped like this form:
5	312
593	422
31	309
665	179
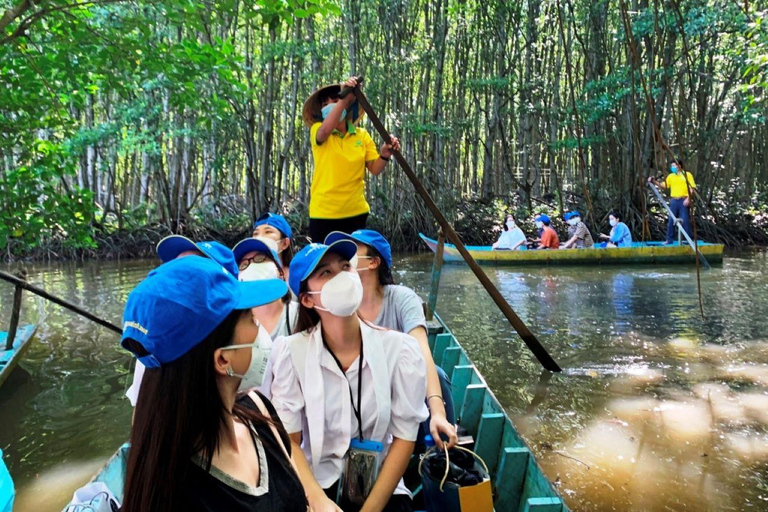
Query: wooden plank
464	359
442	341
461	378
434	327
15	314
536	484
510	436
437	265
488	442
472	408
510	478
451	359
542	505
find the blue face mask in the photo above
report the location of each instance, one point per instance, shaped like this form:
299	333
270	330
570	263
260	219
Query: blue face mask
326	111
673	169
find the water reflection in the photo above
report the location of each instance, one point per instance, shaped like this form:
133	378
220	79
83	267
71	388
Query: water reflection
658	409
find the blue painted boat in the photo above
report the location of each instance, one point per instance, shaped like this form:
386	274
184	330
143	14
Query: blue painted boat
7	491
518	482
9	359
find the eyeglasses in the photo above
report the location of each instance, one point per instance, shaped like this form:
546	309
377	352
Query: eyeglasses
259	258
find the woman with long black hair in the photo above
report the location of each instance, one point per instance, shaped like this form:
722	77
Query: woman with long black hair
197	443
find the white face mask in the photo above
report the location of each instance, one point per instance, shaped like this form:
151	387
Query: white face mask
511	224
259	272
260	350
341	295
573	222
612	222
356	258
539	224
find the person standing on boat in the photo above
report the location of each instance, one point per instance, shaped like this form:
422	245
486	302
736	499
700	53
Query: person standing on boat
397	307
196	443
680	184
342	151
620	235
549	238
512	237
581	238
274	226
168	249
347	390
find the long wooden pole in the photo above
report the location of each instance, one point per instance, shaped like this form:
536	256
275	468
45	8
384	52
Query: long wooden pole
530	340
15	314
437	268
20	283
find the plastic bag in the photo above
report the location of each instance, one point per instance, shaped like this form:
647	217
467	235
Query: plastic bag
94	497
359	472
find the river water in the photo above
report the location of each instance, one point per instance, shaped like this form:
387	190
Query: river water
657	409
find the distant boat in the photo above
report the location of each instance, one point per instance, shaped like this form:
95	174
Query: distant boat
9	359
516	476
639	253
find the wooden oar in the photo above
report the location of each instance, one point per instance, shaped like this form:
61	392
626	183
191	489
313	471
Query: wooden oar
22	284
530	340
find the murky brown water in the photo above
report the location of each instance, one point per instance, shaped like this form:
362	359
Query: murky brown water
658	409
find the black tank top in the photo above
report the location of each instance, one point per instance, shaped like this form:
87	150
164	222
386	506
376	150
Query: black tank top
279	488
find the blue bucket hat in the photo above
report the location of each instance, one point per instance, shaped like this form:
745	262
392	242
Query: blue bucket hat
170	247
181	302
305	261
367	237
243	247
544	218
575	214
276	221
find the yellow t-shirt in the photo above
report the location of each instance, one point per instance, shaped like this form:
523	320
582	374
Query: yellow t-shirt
338	189
677	186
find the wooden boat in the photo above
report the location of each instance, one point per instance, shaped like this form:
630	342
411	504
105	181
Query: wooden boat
7	492
518	482
9	359
639	253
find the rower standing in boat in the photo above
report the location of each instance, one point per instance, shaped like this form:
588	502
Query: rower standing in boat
342	151
195	443
398	307
620	235
580	237
680	183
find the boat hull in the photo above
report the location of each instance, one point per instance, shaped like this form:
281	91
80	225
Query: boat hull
648	253
9	359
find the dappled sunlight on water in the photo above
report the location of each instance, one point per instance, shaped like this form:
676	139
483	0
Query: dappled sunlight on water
657	409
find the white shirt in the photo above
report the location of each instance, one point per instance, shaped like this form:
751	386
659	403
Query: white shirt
510	238
133	391
316	402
